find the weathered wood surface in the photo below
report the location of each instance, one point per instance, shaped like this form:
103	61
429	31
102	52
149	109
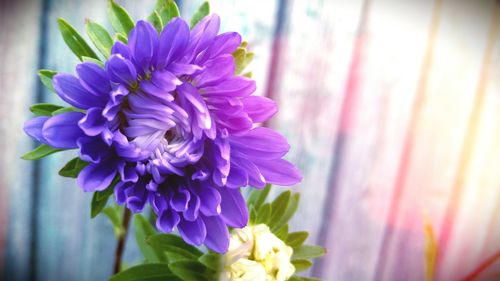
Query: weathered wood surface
391	108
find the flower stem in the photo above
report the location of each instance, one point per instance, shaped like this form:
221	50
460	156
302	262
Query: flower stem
120	245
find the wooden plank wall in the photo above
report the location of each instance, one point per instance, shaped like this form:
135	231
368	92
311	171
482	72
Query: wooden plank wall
391	108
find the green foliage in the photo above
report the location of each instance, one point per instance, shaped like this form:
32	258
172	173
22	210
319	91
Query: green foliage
66	109
146	272
100	198
40	152
202	12
296	239
114	214
120	19
98	62
167	10
301	265
189	270
73	168
75	41
46	76
257	196
100	37
174	247
308	252
155	20
144	230
211	260
44	109
242	58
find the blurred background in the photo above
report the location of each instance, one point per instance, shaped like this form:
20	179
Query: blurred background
392	109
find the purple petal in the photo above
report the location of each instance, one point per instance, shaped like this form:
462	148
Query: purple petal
260	143
121	192
210	201
127	172
280	172
217	234
114	103
97	176
193	208
202	35
93	78
179	69
180	199
92	149
143	42
33	127
260	109
68	87
167	220
238	177
237	86
193	232
121	70
62	131
93	123
255	178
119	48
216	70
165	80
225	43
233	208
173	41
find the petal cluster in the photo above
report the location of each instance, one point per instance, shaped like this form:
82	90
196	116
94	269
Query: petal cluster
255	253
168	116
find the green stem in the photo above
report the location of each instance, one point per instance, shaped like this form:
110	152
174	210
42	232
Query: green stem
120	245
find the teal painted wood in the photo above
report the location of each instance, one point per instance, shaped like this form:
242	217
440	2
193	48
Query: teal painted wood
18	58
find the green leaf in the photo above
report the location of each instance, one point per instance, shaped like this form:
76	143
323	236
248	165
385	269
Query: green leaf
253	215
278	206
248	74
264	214
144	230
175	247
189	270
292	205
40	152
301	265
146	272
66	109
46	78
75	41
258	196
211	260
308	252
242	59
155	19
121	37
114	214
282	232
44	109
100	37
202	12
100	198
120	19
296	239
73	168
167	9
98	62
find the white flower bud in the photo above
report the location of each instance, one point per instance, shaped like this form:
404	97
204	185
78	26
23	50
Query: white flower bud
256	253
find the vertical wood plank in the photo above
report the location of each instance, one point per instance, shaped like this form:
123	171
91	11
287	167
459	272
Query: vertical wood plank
470	217
438	136
19	27
373	128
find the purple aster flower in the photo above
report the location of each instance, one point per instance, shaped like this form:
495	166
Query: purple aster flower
168	115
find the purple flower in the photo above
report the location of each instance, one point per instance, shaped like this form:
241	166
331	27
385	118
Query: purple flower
168	115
